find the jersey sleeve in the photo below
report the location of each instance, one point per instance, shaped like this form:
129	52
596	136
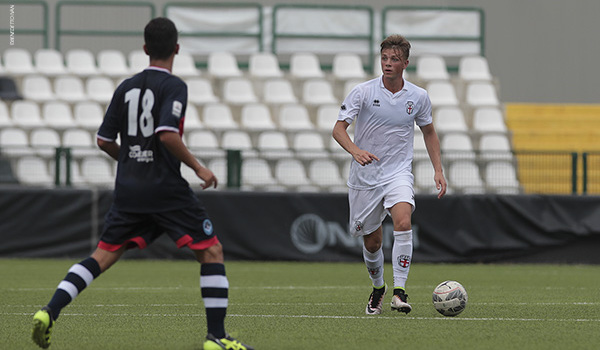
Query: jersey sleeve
351	106
110	127
424	116
173	108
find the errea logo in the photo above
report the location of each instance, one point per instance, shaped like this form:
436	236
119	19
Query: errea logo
376	103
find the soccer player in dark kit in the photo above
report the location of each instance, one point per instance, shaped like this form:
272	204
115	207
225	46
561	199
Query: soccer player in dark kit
151	197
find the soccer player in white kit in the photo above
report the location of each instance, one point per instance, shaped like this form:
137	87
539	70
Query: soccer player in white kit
380	182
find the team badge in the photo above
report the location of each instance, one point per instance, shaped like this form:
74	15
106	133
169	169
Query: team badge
177	109
358	226
374	271
410	105
404	261
207	226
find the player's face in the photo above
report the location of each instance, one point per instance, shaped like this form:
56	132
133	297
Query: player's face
392	63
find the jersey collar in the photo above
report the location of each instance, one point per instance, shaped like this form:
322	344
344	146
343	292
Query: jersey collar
160	69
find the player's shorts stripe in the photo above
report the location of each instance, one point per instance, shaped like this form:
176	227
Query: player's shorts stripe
68	287
211	303
82	272
214	281
130	243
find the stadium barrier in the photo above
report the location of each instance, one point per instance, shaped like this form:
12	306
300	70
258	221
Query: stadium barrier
314	227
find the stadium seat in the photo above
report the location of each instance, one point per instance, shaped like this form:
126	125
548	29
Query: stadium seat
442	93
278	91
450	119
430	68
70	89
192	118
238	91
8	89
138	61
495	146
98	171
112	63
318	92
218	116
424	173
26	114
5	119
200	91
38	88
81	62
457	146
18	62
256	117
49	62
464	175
309	145
291	173
336	151
348	66
14	142
474	68
481	94
184	66
44	142
58	115
238	140
327	117
489	120
502	177
88	115
273	145
223	65
325	173
204	144
81	143
294	117
100	89
305	66
257	172
33	170
351	84
263	65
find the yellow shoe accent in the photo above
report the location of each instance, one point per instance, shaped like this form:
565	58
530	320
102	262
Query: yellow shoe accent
42	328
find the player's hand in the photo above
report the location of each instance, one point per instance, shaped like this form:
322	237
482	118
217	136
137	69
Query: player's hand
210	180
440	184
364	157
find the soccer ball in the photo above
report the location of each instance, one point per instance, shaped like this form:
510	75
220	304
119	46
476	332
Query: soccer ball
449	298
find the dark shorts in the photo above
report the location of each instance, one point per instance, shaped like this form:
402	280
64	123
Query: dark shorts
187	227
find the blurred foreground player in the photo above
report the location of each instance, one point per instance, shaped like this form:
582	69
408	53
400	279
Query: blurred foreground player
381	182
151	197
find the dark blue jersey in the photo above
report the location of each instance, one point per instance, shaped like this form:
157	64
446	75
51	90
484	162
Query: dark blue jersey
148	175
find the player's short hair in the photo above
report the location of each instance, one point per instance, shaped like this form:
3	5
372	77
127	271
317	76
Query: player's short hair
160	37
397	43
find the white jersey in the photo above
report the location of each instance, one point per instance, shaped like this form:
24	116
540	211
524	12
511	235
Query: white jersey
385	125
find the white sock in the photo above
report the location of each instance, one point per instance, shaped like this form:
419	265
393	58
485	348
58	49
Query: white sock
374	262
401	257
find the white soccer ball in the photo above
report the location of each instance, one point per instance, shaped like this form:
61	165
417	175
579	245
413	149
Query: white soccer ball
449	298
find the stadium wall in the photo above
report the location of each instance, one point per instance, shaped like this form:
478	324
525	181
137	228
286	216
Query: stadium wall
541	51
313	227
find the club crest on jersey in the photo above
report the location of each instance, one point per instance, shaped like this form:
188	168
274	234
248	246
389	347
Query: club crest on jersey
404	261
410	106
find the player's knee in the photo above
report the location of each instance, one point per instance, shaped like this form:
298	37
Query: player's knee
212	254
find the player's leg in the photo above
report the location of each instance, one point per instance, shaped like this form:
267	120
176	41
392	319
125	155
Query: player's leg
77	279
366	215
401	254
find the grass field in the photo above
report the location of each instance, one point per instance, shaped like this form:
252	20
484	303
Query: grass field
278	305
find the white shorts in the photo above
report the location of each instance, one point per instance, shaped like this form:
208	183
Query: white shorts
368	208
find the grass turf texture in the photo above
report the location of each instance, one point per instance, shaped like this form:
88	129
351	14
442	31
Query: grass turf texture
277	305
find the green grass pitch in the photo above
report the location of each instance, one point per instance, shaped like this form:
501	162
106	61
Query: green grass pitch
141	304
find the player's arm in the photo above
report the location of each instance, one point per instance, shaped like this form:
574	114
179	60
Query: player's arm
110	147
340	134
175	145
432	143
